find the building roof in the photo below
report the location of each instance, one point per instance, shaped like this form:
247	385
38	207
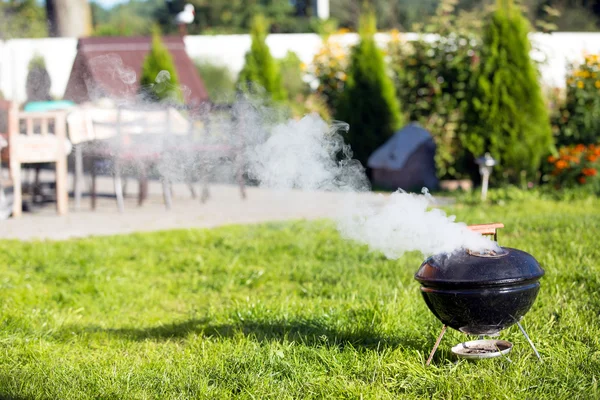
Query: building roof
112	67
394	153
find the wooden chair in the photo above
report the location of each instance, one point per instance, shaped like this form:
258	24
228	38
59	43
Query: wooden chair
34	138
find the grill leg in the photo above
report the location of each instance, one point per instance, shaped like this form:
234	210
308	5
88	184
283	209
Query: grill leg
530	342
437	343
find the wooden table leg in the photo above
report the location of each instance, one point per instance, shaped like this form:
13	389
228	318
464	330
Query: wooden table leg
93	185
78	178
167	193
143	190
15	170
119	191
62	192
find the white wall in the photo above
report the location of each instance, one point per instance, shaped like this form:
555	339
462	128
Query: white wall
229	50
560	48
15	55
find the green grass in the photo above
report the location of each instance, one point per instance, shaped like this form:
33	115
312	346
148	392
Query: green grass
285	310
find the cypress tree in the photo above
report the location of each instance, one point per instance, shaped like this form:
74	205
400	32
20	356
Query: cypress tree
159	79
38	80
369	103
508	116
260	69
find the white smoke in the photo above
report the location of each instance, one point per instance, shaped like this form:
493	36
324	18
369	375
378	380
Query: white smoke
406	222
307	154
304	154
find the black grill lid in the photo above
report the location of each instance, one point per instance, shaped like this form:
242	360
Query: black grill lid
465	269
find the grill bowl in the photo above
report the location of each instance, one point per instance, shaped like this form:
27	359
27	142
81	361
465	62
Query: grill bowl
480	295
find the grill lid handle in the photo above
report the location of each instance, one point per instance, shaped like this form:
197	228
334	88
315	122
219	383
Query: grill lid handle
487	229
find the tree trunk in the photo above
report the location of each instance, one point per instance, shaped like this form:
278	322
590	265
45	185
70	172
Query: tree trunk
69	18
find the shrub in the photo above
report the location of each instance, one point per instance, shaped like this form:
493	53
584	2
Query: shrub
580	117
433	80
329	68
575	166
508	116
300	99
260	67
292	71
218	80
159	80
315	103
38	80
369	102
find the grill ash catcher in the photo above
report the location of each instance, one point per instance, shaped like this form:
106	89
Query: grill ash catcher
480	294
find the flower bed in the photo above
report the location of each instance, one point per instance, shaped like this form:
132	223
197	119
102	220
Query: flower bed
575	165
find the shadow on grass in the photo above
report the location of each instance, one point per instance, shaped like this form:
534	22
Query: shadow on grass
306	331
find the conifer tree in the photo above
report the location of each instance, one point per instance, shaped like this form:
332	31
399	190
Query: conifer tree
508	116
261	71
38	80
369	103
159	80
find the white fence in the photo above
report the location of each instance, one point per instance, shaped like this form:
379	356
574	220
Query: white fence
556	50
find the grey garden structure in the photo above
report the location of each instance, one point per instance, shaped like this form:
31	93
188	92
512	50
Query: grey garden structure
405	161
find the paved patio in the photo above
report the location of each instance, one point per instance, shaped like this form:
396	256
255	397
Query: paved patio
225	206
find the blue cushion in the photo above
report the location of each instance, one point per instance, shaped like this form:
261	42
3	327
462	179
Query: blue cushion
38	106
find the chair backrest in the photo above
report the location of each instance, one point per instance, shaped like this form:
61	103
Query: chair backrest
36	137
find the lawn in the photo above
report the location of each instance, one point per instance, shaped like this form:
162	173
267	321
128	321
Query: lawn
285	310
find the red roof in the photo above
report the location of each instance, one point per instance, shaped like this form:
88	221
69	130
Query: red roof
112	66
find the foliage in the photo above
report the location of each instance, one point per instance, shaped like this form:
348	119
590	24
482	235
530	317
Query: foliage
500	196
38	80
159	80
580	117
300	99
270	310
329	68
575	15
315	103
260	68
218	81
508	115
22	19
434	78
511	195
369	102
391	14
574	166
292	76
233	16
128	19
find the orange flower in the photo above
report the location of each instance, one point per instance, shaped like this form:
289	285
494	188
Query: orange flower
561	164
551	159
581	180
592	158
580	147
589	171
